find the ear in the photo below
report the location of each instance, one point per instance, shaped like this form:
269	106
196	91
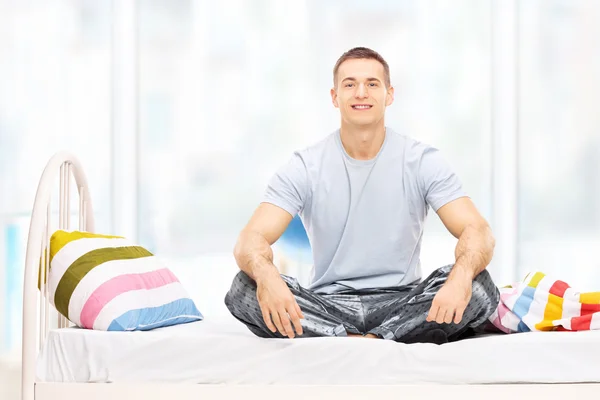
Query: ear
389	99
334	98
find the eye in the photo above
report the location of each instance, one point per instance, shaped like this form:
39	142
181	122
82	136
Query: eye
372	84
349	84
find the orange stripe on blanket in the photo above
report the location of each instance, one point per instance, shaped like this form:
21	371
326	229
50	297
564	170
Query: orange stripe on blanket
553	311
554	308
590	298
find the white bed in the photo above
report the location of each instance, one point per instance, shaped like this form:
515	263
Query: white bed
220	358
223	351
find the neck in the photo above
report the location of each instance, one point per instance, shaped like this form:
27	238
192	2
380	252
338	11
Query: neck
362	142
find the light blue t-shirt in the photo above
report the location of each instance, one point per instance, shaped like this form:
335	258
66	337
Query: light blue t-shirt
364	218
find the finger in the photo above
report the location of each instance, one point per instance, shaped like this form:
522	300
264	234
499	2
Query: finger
432	312
277	322
459	314
440	316
299	311
267	318
449	316
285	319
295	320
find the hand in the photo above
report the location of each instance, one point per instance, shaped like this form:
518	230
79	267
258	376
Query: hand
450	301
279	306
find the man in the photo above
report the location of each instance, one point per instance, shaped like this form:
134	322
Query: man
363	194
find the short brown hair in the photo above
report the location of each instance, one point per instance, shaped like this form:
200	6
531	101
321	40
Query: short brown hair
362	52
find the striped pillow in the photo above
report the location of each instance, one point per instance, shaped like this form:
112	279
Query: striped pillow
107	283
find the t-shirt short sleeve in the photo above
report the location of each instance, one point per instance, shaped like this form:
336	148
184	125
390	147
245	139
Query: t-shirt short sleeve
439	184
288	188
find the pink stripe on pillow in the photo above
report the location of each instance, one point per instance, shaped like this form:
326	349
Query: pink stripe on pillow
121	284
502	310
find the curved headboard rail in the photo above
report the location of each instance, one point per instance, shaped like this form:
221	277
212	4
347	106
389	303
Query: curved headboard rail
36	304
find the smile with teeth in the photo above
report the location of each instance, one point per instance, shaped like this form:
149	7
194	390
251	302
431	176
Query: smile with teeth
361	106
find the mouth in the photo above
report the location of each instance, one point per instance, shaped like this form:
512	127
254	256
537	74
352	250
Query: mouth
362	107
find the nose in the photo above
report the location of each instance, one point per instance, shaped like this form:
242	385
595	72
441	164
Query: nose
361	91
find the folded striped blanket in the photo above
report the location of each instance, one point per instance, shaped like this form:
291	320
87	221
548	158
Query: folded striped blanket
540	303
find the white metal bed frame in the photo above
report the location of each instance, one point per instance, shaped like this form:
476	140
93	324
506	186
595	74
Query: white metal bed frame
37	321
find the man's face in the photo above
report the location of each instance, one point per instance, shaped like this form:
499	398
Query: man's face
361	94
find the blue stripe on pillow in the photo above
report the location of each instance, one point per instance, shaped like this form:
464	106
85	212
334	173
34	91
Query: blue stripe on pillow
177	312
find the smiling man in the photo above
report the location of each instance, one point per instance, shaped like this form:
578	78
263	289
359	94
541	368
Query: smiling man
363	194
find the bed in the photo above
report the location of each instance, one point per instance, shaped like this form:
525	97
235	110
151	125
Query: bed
220	358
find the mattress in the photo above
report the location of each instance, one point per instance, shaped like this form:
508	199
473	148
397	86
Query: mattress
221	350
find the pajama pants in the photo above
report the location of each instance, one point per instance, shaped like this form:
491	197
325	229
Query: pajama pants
395	313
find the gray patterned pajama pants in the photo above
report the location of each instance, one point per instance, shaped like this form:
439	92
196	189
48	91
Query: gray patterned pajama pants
396	313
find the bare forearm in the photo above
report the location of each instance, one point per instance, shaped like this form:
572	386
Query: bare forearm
254	256
474	251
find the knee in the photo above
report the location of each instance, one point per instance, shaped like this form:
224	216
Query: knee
243	289
485	296
242	279
484	276
483	285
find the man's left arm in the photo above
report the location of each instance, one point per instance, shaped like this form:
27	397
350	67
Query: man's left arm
476	242
473	253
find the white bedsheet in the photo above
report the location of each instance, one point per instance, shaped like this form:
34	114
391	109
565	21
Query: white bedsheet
224	351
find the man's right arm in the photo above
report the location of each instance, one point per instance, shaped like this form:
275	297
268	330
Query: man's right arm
253	251
254	256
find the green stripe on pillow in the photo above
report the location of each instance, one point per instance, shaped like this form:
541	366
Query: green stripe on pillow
85	264
61	238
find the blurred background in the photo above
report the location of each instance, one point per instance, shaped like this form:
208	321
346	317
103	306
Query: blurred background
181	110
